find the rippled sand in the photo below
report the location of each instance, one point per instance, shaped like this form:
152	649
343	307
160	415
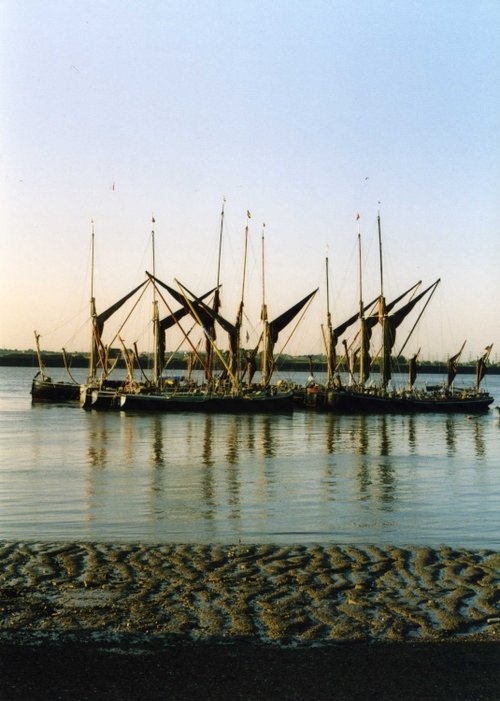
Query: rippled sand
263	593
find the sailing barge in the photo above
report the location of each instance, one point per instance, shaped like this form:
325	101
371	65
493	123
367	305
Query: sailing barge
361	397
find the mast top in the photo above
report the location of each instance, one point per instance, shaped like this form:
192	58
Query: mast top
380	257
153	221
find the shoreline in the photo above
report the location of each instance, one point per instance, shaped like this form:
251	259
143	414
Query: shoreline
53	361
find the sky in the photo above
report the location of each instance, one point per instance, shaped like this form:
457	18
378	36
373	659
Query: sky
305	114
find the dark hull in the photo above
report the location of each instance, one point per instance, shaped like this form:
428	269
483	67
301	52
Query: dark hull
366	402
246	403
105	397
48	391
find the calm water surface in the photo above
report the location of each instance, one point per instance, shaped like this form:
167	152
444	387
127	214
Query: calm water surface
70	474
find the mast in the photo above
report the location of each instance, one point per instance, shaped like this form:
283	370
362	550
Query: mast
362	331
265	374
93	313
239	319
157	359
210	340
380	260
216	303
382	316
330	350
39	356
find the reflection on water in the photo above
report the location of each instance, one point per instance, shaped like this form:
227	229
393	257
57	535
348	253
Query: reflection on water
293	478
412	434
478	439
212	469
157	442
451	435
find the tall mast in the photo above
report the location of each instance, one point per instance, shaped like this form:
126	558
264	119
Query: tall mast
93	313
263	316
153	221
329	350
382	316
217	296
380	257
243	279
239	320
362	332
215	305
157	360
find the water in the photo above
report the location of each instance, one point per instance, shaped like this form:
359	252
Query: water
68	474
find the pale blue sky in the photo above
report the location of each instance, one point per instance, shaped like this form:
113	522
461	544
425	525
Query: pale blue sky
305	113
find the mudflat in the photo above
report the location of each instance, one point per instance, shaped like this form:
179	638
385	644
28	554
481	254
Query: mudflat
107	620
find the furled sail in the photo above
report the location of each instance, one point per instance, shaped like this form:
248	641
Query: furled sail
273	330
413	368
104	316
366	335
98	322
278	324
453	365
481	366
339	330
203	311
336	333
390	324
172	319
195	307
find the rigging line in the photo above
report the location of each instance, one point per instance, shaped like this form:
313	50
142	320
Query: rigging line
419	316
196	316
186	336
113	366
345	357
65	323
251	325
221	231
65	360
129	314
171	356
295	327
128	363
138	361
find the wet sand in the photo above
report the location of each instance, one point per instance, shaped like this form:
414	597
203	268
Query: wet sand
245	619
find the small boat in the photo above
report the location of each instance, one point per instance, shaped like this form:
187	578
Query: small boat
44	389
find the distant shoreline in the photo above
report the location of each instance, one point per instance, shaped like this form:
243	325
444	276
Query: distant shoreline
289	363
